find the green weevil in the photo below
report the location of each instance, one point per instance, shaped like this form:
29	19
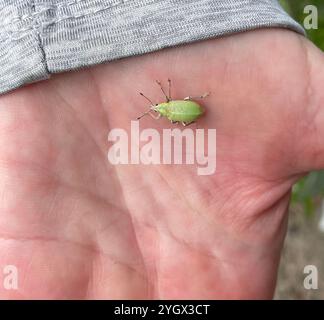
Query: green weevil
185	111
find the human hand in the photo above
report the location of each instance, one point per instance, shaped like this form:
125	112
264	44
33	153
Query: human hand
78	227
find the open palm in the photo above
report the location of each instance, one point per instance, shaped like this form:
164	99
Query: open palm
76	226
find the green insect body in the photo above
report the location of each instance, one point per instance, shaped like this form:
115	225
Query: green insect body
185	111
180	110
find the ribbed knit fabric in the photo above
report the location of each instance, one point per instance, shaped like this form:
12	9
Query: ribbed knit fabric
40	37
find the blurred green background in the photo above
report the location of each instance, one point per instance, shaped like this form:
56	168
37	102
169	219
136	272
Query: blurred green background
296	9
310	190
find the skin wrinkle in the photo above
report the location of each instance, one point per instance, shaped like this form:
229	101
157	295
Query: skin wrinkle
98	90
132	218
265	178
167	232
89	248
221	208
250	220
29	267
90	283
110	207
25	274
157	288
61	183
244	173
188	244
222	262
98	198
179	194
143	263
44	171
54	200
82	125
283	222
157	268
210	203
93	250
182	196
278	213
153	290
243	223
8	163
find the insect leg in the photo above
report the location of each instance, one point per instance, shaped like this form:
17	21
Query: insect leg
199	97
150	114
185	124
169	89
159	83
174	122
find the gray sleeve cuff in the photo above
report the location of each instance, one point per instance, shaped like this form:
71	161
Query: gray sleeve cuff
41	37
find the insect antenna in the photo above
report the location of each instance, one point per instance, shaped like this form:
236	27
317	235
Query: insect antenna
146	98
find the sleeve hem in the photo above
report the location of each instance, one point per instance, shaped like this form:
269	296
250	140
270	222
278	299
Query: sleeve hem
73	34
